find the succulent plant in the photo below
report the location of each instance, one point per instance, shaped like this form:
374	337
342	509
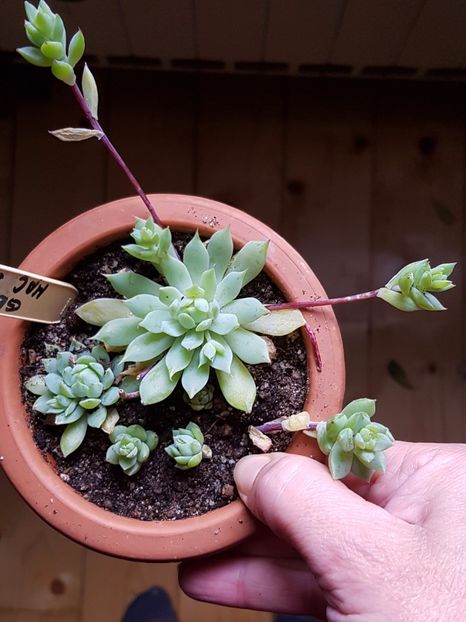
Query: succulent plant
77	391
203	400
195	323
353	442
152	243
188	447
46	31
131	447
412	288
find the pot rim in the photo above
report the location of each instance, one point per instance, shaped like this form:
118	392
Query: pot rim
57	502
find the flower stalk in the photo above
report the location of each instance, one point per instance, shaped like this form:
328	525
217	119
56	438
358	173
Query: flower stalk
323	302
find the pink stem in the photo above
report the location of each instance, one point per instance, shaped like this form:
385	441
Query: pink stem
308	304
315	346
276	426
114	153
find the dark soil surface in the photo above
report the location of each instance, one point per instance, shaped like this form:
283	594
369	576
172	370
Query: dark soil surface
159	491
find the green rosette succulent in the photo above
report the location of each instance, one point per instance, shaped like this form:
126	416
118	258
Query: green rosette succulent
188	447
414	286
203	400
77	391
152	243
194	324
131	447
46	31
352	442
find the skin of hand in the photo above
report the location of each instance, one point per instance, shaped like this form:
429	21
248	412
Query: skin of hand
392	550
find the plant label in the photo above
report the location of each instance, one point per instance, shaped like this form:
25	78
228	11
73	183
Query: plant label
28	296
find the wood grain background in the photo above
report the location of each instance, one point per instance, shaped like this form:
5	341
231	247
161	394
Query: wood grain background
360	176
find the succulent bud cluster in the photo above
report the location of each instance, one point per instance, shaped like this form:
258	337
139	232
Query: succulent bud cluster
353	442
194	324
152	243
46	31
131	447
203	400
77	391
188	447
413	287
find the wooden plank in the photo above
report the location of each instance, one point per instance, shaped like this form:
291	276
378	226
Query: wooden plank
326	211
111	584
240	139
418	197
41	569
437	39
39	616
151	120
54	181
302	32
373	33
102	24
160	28
7	141
230	31
11	25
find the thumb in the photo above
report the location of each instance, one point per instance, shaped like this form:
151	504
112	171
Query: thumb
322	519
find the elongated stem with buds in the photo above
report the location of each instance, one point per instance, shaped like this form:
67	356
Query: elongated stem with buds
323	302
114	153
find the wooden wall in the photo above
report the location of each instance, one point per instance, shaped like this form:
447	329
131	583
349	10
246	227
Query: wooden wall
361	177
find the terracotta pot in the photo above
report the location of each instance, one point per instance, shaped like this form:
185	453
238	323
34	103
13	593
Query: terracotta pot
43	489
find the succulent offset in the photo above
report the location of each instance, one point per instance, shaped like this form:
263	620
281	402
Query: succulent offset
188	447
151	242
131	447
194	324
77	391
414	286
352	442
203	400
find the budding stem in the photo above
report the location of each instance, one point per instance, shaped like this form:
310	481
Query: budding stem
315	346
114	153
309	304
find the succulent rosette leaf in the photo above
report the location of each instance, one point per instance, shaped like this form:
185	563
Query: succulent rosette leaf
195	323
414	286
77	391
46	32
352	442
131	447
188	447
203	400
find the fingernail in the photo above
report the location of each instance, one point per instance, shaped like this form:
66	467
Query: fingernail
246	471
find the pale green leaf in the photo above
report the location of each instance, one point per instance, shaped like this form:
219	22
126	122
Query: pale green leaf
220	249
192	340
277	323
229	288
101	310
143	304
157	385
361	405
246	310
64	72
176	273
178	358
147	347
76	50
90	92
130	284
251	259
96	418
248	346
154	320
339	462
238	386
397	300
121	332
195	377
73	436
36	385
224	323
222	360
34	56
208	283
196	258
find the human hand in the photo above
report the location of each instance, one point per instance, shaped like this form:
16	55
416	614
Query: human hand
392	550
